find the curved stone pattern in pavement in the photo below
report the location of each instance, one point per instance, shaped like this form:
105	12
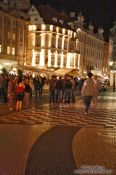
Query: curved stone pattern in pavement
94	147
52	153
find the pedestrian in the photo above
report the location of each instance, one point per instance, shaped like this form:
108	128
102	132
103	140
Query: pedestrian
58	90
52	89
87	92
97	86
19	93
11	93
27	92
68	90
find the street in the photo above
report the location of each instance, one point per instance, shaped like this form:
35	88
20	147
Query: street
58	139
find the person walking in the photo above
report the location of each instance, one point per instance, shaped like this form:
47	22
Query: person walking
97	86
87	92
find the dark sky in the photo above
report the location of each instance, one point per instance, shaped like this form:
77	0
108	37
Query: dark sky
100	12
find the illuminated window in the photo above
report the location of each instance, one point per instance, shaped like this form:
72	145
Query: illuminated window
8	50
0	48
13	51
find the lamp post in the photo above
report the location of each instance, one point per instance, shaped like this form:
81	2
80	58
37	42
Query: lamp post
113	67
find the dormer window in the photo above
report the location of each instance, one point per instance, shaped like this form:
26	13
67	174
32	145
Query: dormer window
54	19
61	21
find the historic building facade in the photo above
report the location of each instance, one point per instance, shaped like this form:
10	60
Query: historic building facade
12	34
112	55
54	41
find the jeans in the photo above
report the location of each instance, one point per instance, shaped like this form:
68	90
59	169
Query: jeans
87	102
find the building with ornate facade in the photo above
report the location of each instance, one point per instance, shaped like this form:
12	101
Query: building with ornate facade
112	55
12	35
57	40
47	39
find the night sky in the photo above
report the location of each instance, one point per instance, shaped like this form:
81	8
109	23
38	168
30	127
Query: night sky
100	12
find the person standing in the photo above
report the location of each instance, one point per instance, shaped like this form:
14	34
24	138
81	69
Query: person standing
27	93
88	92
11	93
19	94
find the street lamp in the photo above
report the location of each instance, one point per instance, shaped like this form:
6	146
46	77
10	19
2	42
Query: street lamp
113	67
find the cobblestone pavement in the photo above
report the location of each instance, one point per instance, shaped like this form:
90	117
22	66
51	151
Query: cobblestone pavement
58	138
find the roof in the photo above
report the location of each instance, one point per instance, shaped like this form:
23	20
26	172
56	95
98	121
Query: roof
48	13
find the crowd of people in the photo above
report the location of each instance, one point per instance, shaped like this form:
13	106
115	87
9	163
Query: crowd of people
14	90
18	90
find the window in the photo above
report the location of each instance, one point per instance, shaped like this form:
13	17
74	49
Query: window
8	50
13	50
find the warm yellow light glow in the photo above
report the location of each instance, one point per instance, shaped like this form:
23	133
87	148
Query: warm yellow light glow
62	42
74	61
111	63
8	50
57	29
32	27
68	60
43	39
69	32
56	60
63	31
78	30
13	50
33	57
1	67
50	40
62	60
57	36
43	26
74	34
49	58
42	58
51	27
8	64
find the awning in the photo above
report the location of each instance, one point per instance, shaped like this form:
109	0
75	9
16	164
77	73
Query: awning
74	73
62	71
69	72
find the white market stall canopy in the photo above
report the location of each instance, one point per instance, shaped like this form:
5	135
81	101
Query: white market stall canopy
69	72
